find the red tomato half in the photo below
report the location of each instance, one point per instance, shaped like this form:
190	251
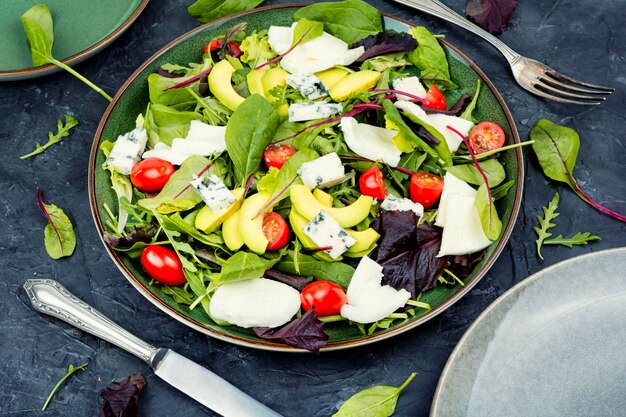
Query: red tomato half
213	45
426	188
434	99
371	183
486	136
233	47
151	174
276	231
325	297
163	265
276	155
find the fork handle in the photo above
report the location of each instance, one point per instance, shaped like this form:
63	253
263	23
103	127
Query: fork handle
436	8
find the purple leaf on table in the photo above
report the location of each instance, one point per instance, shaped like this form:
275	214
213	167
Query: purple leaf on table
491	15
121	398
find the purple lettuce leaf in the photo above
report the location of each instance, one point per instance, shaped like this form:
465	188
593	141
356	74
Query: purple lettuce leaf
121	398
305	332
456	109
491	15
385	43
138	234
423	133
165	73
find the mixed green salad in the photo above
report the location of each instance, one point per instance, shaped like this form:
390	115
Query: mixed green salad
306	176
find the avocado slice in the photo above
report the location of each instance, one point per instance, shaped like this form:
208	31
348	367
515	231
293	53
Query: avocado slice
221	86
271	78
361	253
364	239
208	221
323	197
354	84
230	232
304	202
251	225
298	222
255	83
331	76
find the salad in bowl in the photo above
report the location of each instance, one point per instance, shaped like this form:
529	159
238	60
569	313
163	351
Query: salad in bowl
307	181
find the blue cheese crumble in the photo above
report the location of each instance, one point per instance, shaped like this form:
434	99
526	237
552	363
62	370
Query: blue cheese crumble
213	192
322	172
302	112
127	151
307	84
326	232
392	203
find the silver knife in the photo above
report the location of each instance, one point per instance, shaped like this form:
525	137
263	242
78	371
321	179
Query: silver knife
49	297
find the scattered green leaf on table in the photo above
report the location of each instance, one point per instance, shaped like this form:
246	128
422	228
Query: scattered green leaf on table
578	239
545	222
378	401
70	370
206	11
63	130
59	236
492	225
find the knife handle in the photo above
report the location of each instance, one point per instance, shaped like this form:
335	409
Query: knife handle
49	297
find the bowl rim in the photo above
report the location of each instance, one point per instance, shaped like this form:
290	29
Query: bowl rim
272	346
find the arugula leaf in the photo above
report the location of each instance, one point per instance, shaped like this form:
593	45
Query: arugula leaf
206	11
336	272
349	20
492	226
59	236
556	148
71	369
467	113
545	224
243	266
306	30
430	58
249	131
378	401
492	168
578	239
62	131
37	23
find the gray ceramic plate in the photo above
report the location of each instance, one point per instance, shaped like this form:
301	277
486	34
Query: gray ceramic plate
553	345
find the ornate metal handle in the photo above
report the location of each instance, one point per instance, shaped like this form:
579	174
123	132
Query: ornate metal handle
49	297
439	9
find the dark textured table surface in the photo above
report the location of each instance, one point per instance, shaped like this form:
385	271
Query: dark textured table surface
584	38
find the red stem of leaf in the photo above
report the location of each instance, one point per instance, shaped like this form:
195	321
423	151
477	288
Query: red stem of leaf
360	158
205	169
42	206
248	183
276	197
281	56
190	80
398	92
594	203
323	248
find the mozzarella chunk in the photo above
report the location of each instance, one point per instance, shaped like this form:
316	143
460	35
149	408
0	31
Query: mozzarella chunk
413	109
213	192
368	300
162	151
440	121
451	185
410	85
392	202
307	84
255	303
280	38
372	142
301	112
322	172
463	232
324	230
127	151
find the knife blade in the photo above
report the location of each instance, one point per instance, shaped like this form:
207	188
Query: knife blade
49	297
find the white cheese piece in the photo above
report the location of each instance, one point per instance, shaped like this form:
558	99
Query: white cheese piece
372	142
127	150
162	151
326	232
451	185
301	112
463	232
441	121
316	55
411	85
307	84
213	192
255	303
392	202
322	172
203	132
368	300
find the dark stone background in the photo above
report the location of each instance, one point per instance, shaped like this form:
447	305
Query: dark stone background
584	38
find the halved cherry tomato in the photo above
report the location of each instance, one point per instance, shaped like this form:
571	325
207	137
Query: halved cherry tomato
213	45
425	188
163	265
233	47
435	99
276	231
325	297
276	155
151	174
371	183
486	136
234	50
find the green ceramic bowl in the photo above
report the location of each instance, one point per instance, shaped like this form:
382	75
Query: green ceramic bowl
132	99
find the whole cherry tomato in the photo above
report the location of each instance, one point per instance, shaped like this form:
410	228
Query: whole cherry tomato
371	183
276	231
486	136
325	297
163	265
426	188
151	174
276	155
435	99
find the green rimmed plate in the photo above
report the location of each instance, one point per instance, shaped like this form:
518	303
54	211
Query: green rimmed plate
81	29
132	99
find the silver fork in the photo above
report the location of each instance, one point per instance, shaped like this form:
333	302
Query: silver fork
532	75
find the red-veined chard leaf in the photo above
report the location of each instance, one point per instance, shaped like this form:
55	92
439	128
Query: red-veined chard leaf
59	236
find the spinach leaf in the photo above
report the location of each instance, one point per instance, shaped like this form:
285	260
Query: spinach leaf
467	113
349	20
556	148
287	175
306	30
206	11
301	264
406	140
430	58
492	226
62	131
71	369
470	174
306	332
165	123
501	191
121	185
37	23
243	266
59	236
378	401
437	78
249	131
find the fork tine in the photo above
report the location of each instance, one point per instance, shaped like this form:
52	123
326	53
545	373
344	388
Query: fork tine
573	88
552	93
561	77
